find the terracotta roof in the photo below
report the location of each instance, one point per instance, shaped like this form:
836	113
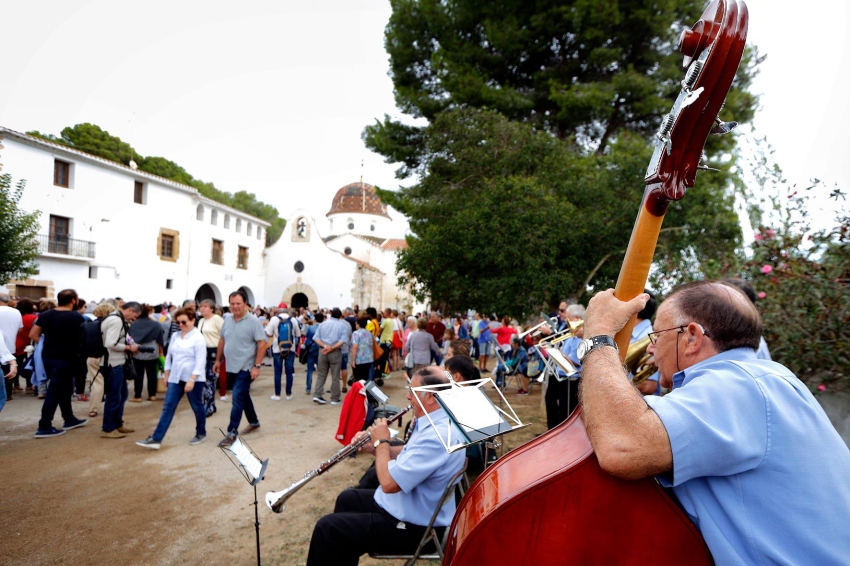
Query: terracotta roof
394	244
358	197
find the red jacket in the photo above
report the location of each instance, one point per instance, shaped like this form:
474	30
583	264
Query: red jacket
353	414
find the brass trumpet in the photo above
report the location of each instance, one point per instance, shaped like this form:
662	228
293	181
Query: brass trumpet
276	500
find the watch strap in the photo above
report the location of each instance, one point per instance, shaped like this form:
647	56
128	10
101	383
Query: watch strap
598	342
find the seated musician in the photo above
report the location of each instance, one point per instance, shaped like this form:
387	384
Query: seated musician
392	519
461	368
751	455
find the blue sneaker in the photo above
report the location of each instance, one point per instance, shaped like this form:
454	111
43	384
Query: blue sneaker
77	423
49	433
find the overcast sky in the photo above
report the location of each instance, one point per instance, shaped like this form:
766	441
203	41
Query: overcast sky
272	97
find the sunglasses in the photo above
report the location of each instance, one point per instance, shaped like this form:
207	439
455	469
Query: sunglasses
182	322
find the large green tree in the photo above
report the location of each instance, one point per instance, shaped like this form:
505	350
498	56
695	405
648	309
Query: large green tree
18	230
92	139
537	119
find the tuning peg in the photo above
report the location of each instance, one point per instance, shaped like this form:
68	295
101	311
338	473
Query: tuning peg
702	158
721	127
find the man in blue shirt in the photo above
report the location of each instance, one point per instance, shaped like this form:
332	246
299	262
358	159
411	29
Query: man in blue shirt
750	454
331	336
393	518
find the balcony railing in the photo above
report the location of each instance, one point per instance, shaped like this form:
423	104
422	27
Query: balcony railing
63	245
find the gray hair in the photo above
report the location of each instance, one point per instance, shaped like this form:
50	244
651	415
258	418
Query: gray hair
575	310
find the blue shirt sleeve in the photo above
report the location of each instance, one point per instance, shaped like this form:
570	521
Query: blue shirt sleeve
717	423
416	463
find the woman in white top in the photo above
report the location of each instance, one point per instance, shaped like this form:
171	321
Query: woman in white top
184	365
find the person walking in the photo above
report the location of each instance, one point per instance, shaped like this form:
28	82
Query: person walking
283	330
210	328
62	338
185	365
243	343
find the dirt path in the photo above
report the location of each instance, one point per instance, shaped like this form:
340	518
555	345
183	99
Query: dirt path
79	499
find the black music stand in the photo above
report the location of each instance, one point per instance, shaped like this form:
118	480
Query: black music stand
252	469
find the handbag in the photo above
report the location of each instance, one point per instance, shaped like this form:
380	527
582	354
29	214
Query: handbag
377	351
408	361
305	353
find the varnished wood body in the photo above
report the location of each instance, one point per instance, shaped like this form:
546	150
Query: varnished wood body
550	503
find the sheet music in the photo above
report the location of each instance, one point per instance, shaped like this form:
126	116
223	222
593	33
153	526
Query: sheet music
250	462
471	407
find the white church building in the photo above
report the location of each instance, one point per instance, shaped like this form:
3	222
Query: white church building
110	230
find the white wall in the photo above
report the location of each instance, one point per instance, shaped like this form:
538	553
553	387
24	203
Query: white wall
100	204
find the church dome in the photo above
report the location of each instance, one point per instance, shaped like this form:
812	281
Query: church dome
358	197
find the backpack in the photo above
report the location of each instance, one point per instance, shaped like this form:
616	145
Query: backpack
284	340
93	339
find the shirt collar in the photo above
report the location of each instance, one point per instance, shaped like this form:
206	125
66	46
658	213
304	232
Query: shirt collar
743	354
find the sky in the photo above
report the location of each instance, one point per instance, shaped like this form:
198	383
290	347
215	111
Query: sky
272	97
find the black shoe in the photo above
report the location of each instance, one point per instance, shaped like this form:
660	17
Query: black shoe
351	381
379	382
319	400
76	424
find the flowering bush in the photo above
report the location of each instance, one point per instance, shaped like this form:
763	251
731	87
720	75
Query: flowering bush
803	282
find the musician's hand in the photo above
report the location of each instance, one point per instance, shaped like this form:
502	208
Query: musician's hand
380	430
606	314
367	447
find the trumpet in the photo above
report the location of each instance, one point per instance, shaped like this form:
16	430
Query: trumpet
276	500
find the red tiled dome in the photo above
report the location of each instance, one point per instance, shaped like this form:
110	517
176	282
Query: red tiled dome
358	197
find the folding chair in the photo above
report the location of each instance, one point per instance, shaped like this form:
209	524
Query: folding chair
456	482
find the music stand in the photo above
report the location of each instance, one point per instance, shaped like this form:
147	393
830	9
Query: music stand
251	468
473	417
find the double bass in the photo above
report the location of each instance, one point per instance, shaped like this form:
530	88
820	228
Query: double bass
549	502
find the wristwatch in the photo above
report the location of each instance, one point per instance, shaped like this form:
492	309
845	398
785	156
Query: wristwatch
590	344
379	442
258	366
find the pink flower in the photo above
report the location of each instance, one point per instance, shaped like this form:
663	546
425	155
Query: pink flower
762	295
769	233
759	237
821	387
766	269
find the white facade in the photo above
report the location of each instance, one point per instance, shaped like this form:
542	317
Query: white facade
116	231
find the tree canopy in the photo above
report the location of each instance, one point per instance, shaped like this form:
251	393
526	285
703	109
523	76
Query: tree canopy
531	163
18	230
96	141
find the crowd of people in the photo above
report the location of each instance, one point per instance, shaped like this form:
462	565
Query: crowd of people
718	422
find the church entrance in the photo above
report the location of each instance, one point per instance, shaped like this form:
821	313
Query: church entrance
208	291
299	300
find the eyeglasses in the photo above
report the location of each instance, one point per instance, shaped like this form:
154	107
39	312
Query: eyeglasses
182	322
562	310
653	336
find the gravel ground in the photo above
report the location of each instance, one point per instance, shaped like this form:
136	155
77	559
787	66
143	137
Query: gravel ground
79	499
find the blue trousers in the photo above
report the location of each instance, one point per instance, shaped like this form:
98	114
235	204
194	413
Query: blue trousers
115	387
241	400
172	398
312	362
288	363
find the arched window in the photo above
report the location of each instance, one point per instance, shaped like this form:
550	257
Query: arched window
301	227
372	227
226	221
239	225
249	229
350	223
214	217
199	214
